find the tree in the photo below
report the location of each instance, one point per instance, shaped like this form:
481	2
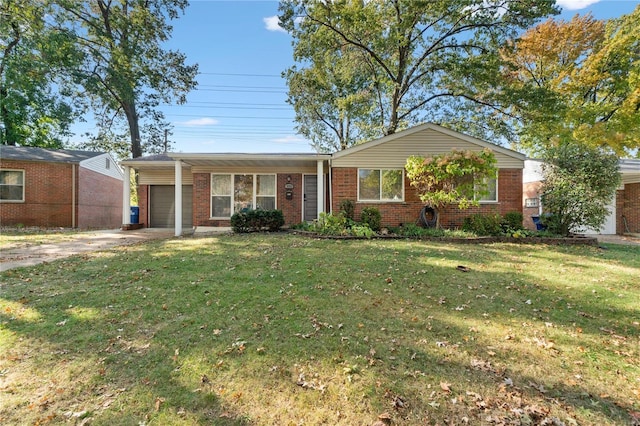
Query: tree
418	57
579	183
126	73
576	81
32	111
458	177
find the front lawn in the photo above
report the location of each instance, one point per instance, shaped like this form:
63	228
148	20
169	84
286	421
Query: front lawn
288	330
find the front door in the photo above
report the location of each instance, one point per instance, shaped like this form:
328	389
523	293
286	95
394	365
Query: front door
310	200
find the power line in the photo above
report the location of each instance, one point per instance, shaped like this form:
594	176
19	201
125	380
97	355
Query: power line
240	75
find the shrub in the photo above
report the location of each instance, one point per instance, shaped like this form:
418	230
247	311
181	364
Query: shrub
347	208
362	231
257	220
482	224
512	221
330	224
371	216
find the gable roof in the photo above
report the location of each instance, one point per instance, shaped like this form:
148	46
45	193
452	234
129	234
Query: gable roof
437	128
28	153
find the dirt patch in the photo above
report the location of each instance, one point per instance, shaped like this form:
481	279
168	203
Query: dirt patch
34	252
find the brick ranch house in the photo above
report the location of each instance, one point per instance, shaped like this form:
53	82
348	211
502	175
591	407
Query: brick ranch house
214	186
624	211
59	188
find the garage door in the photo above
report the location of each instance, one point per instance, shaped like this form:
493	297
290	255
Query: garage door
162	212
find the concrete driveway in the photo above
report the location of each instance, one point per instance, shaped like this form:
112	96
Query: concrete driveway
21	255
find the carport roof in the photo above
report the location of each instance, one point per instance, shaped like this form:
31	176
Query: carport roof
227	159
29	153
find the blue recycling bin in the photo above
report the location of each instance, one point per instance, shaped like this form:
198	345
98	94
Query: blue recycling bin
538	223
135	214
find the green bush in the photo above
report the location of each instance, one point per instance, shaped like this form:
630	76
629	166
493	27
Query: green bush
330	224
483	224
371	216
347	208
257	220
512	221
362	231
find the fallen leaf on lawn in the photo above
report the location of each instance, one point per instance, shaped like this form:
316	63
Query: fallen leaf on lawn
462	268
159	401
445	386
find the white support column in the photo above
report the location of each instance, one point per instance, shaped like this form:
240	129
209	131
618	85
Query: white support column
126	196
178	198
321	197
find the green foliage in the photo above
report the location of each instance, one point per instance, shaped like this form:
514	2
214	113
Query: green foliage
362	231
330	224
347	208
371	217
458	177
257	220
579	183
575	81
512	221
483	224
36	108
367	69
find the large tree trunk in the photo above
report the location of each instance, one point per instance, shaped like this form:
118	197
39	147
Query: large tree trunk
134	129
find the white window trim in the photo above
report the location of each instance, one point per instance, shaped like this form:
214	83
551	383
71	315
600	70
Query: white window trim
380	170
254	194
24	183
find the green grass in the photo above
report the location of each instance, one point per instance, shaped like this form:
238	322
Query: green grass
21	237
288	330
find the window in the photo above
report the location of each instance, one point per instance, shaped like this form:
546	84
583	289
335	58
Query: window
380	185
492	188
234	193
11	185
531	202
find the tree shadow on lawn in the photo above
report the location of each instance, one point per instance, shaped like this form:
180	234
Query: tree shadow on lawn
189	341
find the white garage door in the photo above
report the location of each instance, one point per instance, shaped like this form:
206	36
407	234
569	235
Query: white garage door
162	212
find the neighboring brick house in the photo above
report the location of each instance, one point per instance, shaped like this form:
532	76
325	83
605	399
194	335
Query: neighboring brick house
624	217
59	188
214	186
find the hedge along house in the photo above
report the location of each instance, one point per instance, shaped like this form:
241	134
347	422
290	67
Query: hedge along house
624	210
59	188
215	186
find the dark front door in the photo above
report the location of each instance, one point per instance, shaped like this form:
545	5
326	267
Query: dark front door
310	204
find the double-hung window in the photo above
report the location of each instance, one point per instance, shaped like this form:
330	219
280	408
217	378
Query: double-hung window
232	193
380	185
12	185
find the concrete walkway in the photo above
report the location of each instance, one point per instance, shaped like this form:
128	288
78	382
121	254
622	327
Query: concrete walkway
628	240
82	242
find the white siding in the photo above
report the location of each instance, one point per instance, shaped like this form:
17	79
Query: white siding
428	142
98	164
164	177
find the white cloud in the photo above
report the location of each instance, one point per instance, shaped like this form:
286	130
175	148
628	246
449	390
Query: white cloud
272	23
204	121
289	139
575	4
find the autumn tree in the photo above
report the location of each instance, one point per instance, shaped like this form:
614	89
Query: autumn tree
35	104
417	57
126	72
457	177
576	82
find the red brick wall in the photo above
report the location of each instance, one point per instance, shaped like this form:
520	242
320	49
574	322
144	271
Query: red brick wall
530	190
291	209
345	186
628	207
48	189
143	204
99	200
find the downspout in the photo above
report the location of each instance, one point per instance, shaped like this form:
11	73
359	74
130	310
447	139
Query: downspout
73	195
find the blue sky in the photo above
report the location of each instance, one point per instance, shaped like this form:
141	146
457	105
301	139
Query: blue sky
240	104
